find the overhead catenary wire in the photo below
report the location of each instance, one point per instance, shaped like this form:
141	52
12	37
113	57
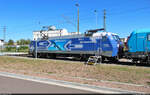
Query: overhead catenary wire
128	11
84	18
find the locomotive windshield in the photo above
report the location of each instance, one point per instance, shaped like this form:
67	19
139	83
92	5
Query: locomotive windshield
116	37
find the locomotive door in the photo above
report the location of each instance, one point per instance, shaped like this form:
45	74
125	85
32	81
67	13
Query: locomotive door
99	50
102	40
141	42
148	43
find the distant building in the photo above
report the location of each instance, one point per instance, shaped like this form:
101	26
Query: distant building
52	32
1	42
15	43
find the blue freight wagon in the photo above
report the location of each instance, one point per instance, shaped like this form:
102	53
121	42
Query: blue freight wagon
138	45
105	44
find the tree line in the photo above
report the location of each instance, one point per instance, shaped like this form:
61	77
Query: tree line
19	42
11	46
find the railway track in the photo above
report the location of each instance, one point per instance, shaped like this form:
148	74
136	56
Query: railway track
72	59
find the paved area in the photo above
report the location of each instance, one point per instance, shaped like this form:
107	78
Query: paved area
13	85
16	83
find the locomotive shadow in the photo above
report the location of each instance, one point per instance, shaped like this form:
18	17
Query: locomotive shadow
62	58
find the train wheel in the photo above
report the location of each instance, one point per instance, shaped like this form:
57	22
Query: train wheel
48	56
53	56
134	61
148	59
33	55
84	58
100	60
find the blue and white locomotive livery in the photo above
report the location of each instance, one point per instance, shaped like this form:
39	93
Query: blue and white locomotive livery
138	45
104	44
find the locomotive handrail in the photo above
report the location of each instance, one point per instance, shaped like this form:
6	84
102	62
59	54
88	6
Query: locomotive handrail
95	30
90	32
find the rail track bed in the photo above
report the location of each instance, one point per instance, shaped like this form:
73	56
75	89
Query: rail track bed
122	61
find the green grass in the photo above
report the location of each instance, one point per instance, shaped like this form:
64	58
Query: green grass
50	72
148	83
148	77
121	68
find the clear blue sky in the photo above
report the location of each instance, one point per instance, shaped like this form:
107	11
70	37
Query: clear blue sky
22	17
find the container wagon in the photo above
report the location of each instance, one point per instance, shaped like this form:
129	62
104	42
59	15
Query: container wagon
138	46
91	43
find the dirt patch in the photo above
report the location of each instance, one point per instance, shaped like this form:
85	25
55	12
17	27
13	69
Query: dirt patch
78	72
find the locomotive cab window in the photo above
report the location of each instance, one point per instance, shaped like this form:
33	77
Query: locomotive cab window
148	37
104	38
116	37
31	43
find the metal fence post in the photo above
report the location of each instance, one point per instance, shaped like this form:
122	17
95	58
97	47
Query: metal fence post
36	49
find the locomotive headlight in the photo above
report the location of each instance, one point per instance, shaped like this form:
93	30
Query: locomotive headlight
118	45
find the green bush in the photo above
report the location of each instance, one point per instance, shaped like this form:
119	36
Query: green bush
14	49
10	49
23	49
